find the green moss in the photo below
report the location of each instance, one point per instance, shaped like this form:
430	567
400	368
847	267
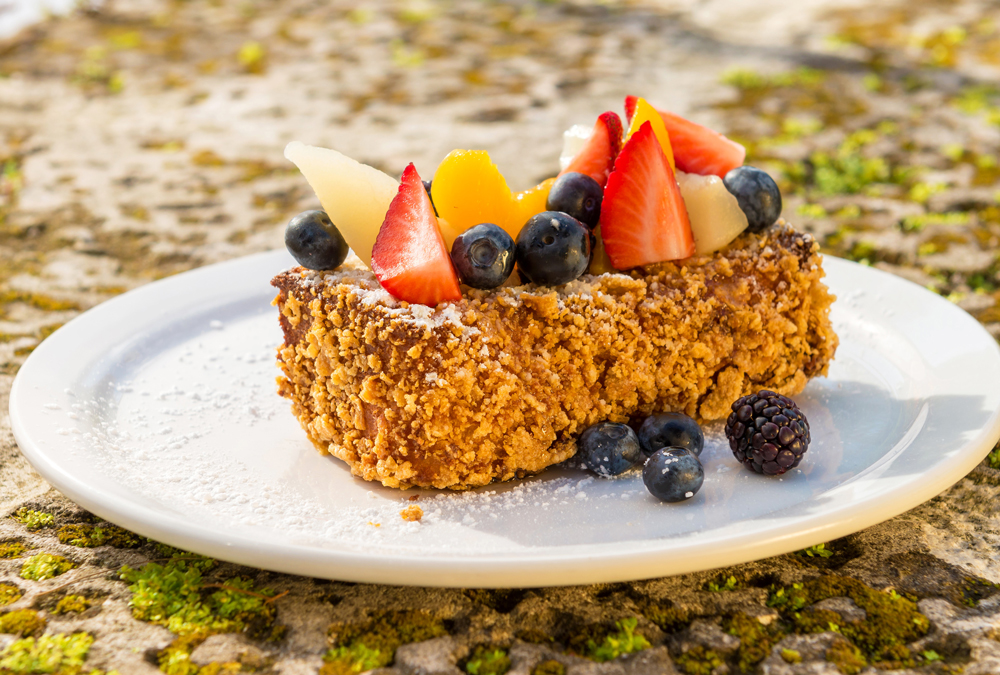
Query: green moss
993	459
177	596
71	603
371	644
919	222
487	661
848	658
43	566
974	590
62	654
816	621
727	584
892	620
550	667
756	639
104	534
698	661
791	656
22	622
624	640
33	520
12	549
9	594
817	551
670	619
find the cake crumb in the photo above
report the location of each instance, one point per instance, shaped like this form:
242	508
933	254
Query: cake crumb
412	513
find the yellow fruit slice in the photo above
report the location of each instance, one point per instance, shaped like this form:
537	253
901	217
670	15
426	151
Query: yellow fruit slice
600	263
354	195
468	189
532	201
448	231
647	113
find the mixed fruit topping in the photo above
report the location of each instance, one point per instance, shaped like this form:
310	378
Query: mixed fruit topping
656	189
767	433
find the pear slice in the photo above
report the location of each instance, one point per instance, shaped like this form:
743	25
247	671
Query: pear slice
354	195
715	215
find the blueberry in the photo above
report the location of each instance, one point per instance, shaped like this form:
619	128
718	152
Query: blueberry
757	194
553	248
671	430
673	474
483	256
579	195
609	449
315	242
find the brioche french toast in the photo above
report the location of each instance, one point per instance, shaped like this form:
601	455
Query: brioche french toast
500	383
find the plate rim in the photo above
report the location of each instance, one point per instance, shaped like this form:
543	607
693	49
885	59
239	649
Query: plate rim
482	570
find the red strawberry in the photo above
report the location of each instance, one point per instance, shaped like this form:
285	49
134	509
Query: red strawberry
697	149
597	158
643	219
409	258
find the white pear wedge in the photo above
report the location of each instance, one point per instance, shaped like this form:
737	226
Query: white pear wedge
715	215
354	195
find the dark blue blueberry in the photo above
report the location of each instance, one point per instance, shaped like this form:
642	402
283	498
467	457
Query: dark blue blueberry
757	194
553	248
673	474
315	242
609	449
579	195
671	430
483	256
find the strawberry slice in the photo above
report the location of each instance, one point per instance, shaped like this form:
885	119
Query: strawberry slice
697	149
597	158
643	219
409	258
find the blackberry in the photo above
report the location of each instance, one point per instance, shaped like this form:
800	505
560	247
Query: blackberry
767	432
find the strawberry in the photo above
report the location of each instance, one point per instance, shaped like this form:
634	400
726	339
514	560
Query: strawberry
597	158
643	219
697	149
409	258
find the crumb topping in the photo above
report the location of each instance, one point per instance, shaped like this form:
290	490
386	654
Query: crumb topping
500	384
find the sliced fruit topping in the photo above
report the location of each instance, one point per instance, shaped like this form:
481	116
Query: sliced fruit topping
597	157
697	149
315	242
600	263
642	113
643	219
553	248
468	189
577	194
483	256
715	215
354	195
532	201
574	140
409	258
757	194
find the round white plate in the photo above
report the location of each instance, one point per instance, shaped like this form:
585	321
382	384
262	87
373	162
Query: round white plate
158	411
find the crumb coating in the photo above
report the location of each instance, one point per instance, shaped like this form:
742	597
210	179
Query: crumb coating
500	384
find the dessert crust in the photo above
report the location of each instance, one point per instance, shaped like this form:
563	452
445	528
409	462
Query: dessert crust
500	384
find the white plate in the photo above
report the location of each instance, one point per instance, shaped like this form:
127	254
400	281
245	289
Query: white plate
157	410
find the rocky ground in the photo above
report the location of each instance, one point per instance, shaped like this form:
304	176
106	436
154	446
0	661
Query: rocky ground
145	139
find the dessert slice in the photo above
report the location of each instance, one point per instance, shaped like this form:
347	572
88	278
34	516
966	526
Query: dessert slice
500	384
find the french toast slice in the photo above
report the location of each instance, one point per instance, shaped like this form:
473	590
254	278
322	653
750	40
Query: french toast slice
500	384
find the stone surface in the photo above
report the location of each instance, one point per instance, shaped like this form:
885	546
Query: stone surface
145	138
